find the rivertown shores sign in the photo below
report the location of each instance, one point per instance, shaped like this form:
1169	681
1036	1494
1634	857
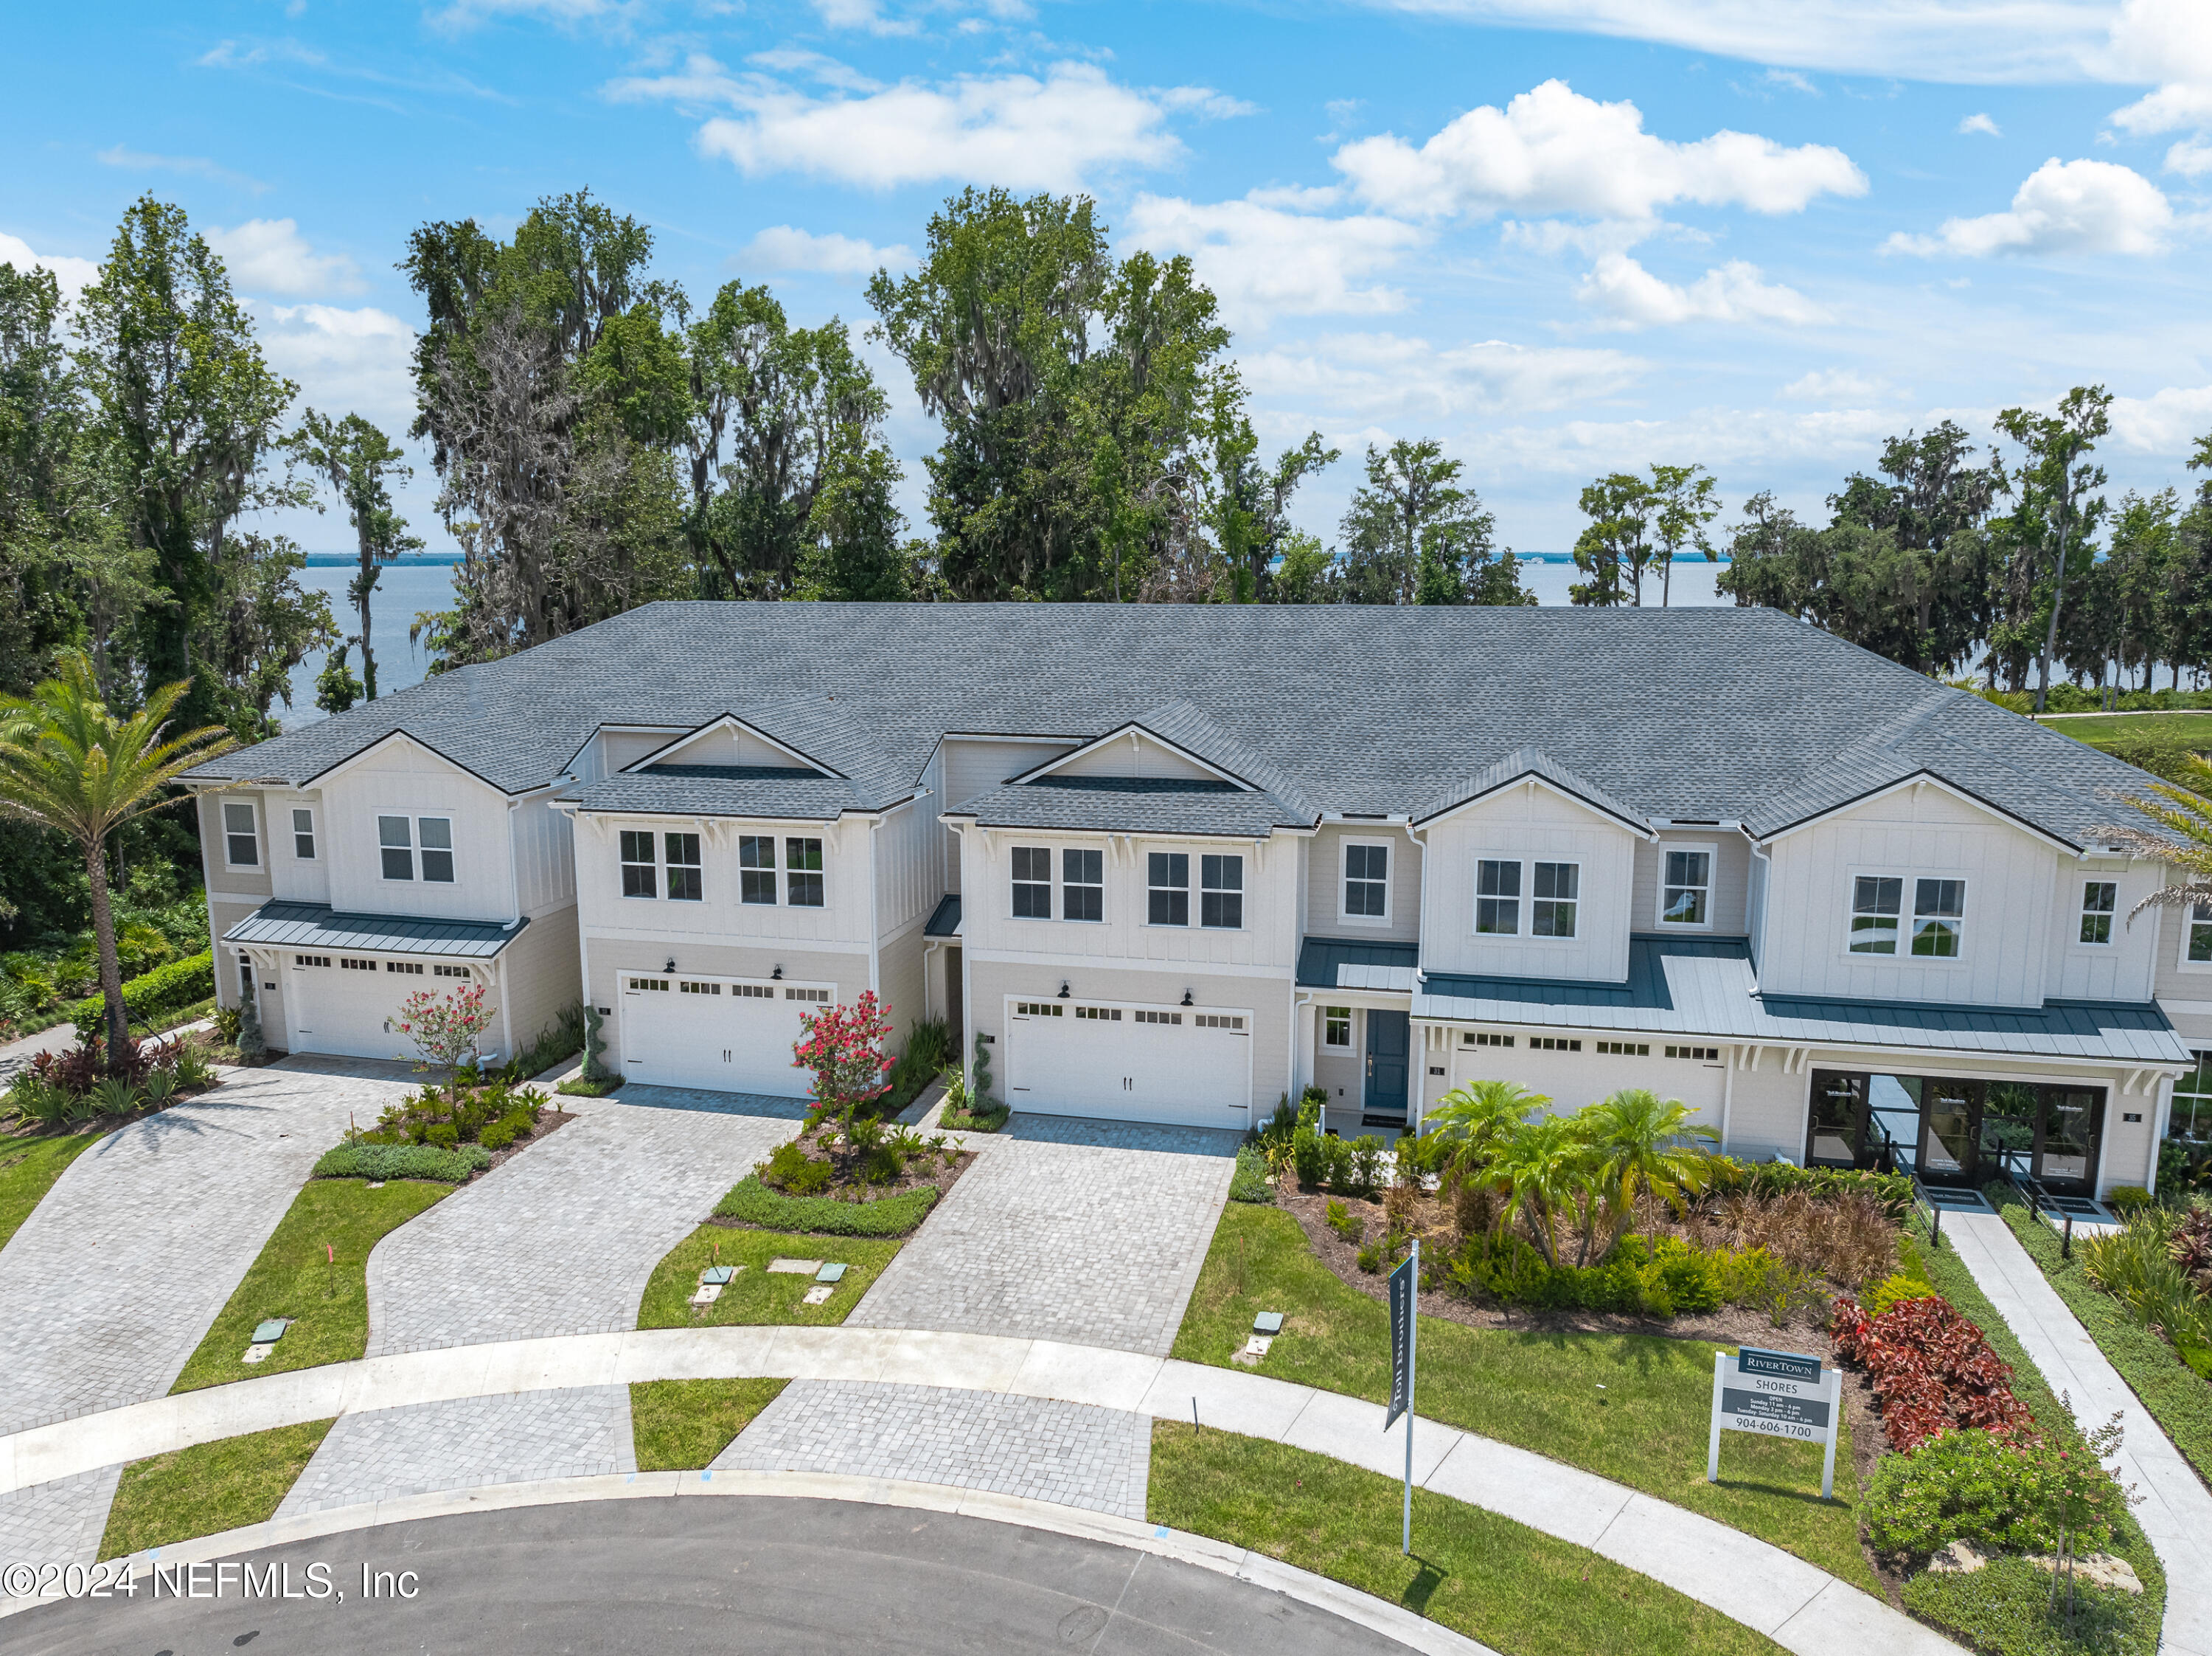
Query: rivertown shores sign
1776	1394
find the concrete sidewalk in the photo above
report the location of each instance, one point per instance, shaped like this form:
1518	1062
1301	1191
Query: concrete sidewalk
1800	1606
2176	1512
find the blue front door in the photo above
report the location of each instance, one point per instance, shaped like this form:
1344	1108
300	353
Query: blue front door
1389	1036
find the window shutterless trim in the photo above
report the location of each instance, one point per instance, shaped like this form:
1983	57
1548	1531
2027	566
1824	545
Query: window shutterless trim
232	834
303	833
1346	879
1704	890
2101	900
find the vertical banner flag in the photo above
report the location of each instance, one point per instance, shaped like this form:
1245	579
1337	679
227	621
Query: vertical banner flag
1401	1341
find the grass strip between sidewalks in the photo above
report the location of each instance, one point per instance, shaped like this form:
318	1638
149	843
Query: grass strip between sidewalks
1633	1408
326	1292
1477	1573
209	1488
28	1167
680	1425
754	1296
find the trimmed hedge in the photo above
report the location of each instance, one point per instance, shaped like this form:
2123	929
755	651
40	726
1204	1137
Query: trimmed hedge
164	989
378	1162
891	1216
1249	1183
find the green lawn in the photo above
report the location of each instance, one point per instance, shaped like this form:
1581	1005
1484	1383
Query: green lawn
1485	1576
753	1296
208	1489
2176	729
679	1425
1633	1408
295	1277
28	1167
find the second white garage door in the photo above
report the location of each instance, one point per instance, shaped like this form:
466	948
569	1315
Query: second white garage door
1124	1063
727	1035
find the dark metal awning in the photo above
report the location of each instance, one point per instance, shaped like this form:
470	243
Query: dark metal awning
316	926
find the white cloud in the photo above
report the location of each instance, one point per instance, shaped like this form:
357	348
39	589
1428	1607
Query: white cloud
1982	123
1551	150
140	161
783	248
2168	422
1344	378
2063	207
1834	385
271	256
1262	262
1632	297
359	362
466	14
1792	80
71	275
2169	43
2191	158
861	14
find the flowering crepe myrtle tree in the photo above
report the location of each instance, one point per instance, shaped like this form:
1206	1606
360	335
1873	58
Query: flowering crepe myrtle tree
447	1028
844	1048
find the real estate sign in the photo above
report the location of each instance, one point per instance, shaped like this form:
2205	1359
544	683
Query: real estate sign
1776	1394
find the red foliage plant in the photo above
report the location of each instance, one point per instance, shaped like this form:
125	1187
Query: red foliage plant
1931	1370
844	1049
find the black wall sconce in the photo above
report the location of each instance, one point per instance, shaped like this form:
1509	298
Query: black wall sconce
1063	989
776	976
1186	998
670	967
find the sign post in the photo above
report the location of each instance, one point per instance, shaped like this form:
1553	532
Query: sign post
1775	1394
1404	1305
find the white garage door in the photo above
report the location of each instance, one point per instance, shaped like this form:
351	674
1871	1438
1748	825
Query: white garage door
1124	1063
349	1004
729	1034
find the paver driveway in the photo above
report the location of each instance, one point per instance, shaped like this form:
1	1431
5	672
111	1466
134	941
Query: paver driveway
1064	1229
562	1239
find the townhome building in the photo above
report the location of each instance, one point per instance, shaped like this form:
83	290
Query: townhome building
1175	864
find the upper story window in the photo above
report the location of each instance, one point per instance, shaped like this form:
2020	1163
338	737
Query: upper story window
1875	901
684	874
1556	894
397	841
1221	892
1939	918
303	836
1167	888
1497	898
2099	898
802	873
1686	896
2200	933
1336	1027
1366	881
1032	882
1083	885
437	848
756	868
640	874
241	843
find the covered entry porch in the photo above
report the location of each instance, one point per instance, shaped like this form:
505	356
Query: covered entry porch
1959	1131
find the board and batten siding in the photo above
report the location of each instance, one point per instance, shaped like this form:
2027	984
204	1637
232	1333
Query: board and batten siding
908	842
1531	823
1916	831
841	922
1728	909
2124	970
970	766
545	857
400	778
1325	916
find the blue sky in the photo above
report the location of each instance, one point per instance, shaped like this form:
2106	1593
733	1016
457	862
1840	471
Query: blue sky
1563	236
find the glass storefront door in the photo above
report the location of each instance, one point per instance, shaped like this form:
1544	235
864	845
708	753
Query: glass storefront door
2072	1118
1838	1119
1950	1113
1950	1131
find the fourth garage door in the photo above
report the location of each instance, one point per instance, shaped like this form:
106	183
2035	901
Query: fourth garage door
727	1035
1192	1065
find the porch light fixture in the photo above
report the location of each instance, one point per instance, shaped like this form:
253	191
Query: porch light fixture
1186	998
776	976
1063	989
670	967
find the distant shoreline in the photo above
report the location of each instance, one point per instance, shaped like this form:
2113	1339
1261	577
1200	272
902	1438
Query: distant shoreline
346	559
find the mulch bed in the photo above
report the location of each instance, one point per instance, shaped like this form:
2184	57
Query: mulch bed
942	1177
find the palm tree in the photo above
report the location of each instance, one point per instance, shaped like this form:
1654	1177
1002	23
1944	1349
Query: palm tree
66	761
1644	1143
1549	1169
1474	1118
2184	810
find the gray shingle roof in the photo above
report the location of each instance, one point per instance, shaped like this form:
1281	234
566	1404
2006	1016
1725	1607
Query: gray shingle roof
315	925
1119	804
778	792
1697	715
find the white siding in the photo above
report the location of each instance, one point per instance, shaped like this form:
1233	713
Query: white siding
907	849
545	857
402	778
538	977
1529	822
300	879
842	921
2127	968
898	984
1324	897
1728	909
969	766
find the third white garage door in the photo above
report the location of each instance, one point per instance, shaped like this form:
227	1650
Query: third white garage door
731	1035
1125	1063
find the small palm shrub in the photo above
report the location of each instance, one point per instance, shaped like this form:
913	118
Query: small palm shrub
114	1095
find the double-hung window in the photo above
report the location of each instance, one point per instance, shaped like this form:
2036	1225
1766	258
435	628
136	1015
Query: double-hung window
1876	899
1686	897
802	873
1336	1027
1167	888
395	842
1497	898
303	836
1082	885
1032	882
1367	882
2200	933
757	869
641	877
683	873
1221	892
2099	899
437	833
241	844
1939	918
1557	892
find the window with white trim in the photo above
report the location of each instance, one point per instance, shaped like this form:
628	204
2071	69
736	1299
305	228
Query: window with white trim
802	873
1558	887
241	843
437	841
682	850
303	834
757	869
1221	893
395	841
2200	933
1082	885
1336	1027
1167	888
1876	899
640	875
1496	898
1032	882
1685	893
1366	881
1939	918
2099	898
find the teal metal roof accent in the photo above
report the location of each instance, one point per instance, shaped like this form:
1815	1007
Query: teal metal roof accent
945	921
316	925
1352	963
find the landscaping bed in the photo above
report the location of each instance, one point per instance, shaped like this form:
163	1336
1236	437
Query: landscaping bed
451	1134
875	1179
208	1488
68	1092
755	1294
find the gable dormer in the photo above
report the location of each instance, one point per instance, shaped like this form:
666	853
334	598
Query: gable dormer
729	741
1134	753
